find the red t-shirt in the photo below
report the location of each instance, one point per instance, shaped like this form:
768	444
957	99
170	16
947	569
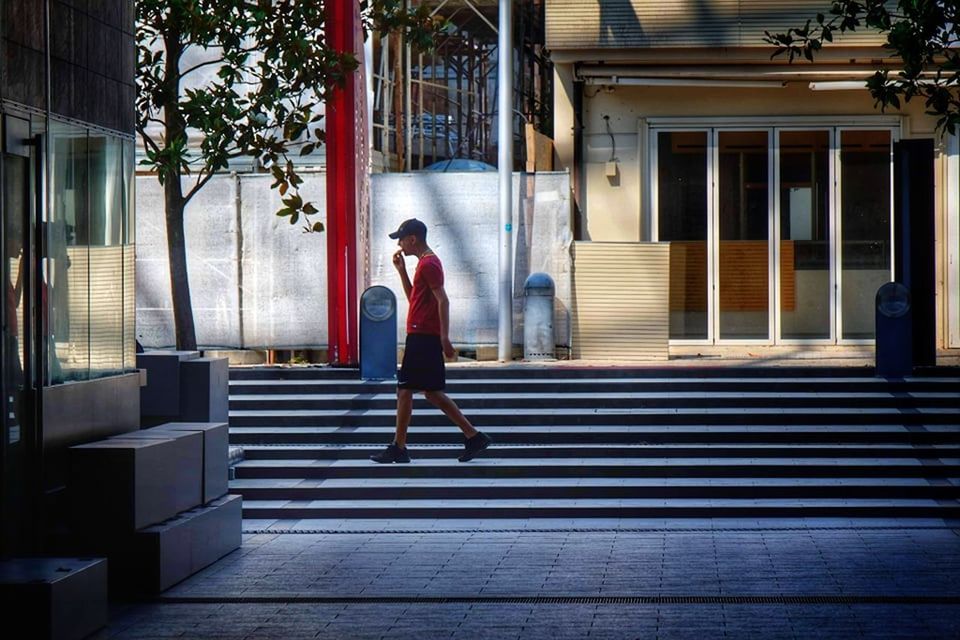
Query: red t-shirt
424	313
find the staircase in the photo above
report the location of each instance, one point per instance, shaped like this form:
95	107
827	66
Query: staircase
604	442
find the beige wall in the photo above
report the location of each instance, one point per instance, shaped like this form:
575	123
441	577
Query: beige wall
679	23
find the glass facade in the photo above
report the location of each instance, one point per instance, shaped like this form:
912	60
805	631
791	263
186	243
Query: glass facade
776	236
88	266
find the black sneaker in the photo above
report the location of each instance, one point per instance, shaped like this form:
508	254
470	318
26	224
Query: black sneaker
393	453
474	445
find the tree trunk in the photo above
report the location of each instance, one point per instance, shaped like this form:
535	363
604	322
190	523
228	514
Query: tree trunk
177	254
173	202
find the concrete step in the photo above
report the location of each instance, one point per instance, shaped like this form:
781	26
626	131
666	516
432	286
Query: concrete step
613	434
610	508
600	416
608	400
494	385
592	488
570	371
822	450
695	467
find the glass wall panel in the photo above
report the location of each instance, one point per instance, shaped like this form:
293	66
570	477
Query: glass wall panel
129	254
805	235
67	259
864	227
16	210
682	221
744	236
107	206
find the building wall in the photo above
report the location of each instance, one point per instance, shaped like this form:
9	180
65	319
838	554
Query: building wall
92	59
575	24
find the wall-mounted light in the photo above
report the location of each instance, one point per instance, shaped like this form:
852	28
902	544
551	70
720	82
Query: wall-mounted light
839	85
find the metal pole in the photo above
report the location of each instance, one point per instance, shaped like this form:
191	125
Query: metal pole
505	170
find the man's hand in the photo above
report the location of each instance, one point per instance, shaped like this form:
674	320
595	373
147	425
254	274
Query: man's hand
448	350
398	261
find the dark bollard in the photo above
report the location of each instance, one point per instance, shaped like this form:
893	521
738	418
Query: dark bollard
894	348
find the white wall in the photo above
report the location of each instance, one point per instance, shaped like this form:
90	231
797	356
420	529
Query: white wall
257	282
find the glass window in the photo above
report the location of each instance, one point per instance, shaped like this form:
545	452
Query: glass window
106	255
88	271
682	221
67	259
864	227
805	291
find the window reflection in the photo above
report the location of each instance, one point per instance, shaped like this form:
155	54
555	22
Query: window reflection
864	226
87	232
682	221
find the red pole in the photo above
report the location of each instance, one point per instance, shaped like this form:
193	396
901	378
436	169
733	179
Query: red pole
342	171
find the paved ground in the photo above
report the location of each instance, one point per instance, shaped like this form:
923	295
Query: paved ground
559	579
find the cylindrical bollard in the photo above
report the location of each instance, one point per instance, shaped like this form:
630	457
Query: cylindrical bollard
538	341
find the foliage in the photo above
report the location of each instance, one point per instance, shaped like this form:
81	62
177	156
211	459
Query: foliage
273	68
922	34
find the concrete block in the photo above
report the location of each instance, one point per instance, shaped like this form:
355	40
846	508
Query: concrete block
215	453
158	557
160	398
54	598
119	485
204	390
190	461
163	555
218	530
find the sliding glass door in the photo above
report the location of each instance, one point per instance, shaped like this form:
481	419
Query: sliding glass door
805	280
778	236
743	235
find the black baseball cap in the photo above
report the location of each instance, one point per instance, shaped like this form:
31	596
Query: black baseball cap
410	227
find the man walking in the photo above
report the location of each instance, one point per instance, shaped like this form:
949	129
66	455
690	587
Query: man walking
428	341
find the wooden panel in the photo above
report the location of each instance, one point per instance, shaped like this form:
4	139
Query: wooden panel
577	24
744	275
688	275
620	300
788	277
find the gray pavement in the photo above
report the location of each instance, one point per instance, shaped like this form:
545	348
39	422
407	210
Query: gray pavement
553	579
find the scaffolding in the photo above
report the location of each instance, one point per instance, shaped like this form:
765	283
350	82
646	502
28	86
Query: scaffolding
441	105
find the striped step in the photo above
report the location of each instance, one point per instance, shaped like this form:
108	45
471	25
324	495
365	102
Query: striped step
493	386
604	442
601	488
764	450
599	415
608	400
611	508
604	467
611	434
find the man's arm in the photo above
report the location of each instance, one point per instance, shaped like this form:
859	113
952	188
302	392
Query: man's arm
401	267
443	304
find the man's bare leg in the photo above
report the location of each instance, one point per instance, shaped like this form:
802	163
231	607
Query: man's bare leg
443	402
404	411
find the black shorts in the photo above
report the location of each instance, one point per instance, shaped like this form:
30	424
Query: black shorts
422	368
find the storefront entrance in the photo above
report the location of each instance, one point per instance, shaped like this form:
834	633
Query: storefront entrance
779	235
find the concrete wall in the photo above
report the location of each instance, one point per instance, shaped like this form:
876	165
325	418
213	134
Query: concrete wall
257	282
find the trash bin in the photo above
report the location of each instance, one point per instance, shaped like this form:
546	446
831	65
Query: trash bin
894	348
378	334
538	341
